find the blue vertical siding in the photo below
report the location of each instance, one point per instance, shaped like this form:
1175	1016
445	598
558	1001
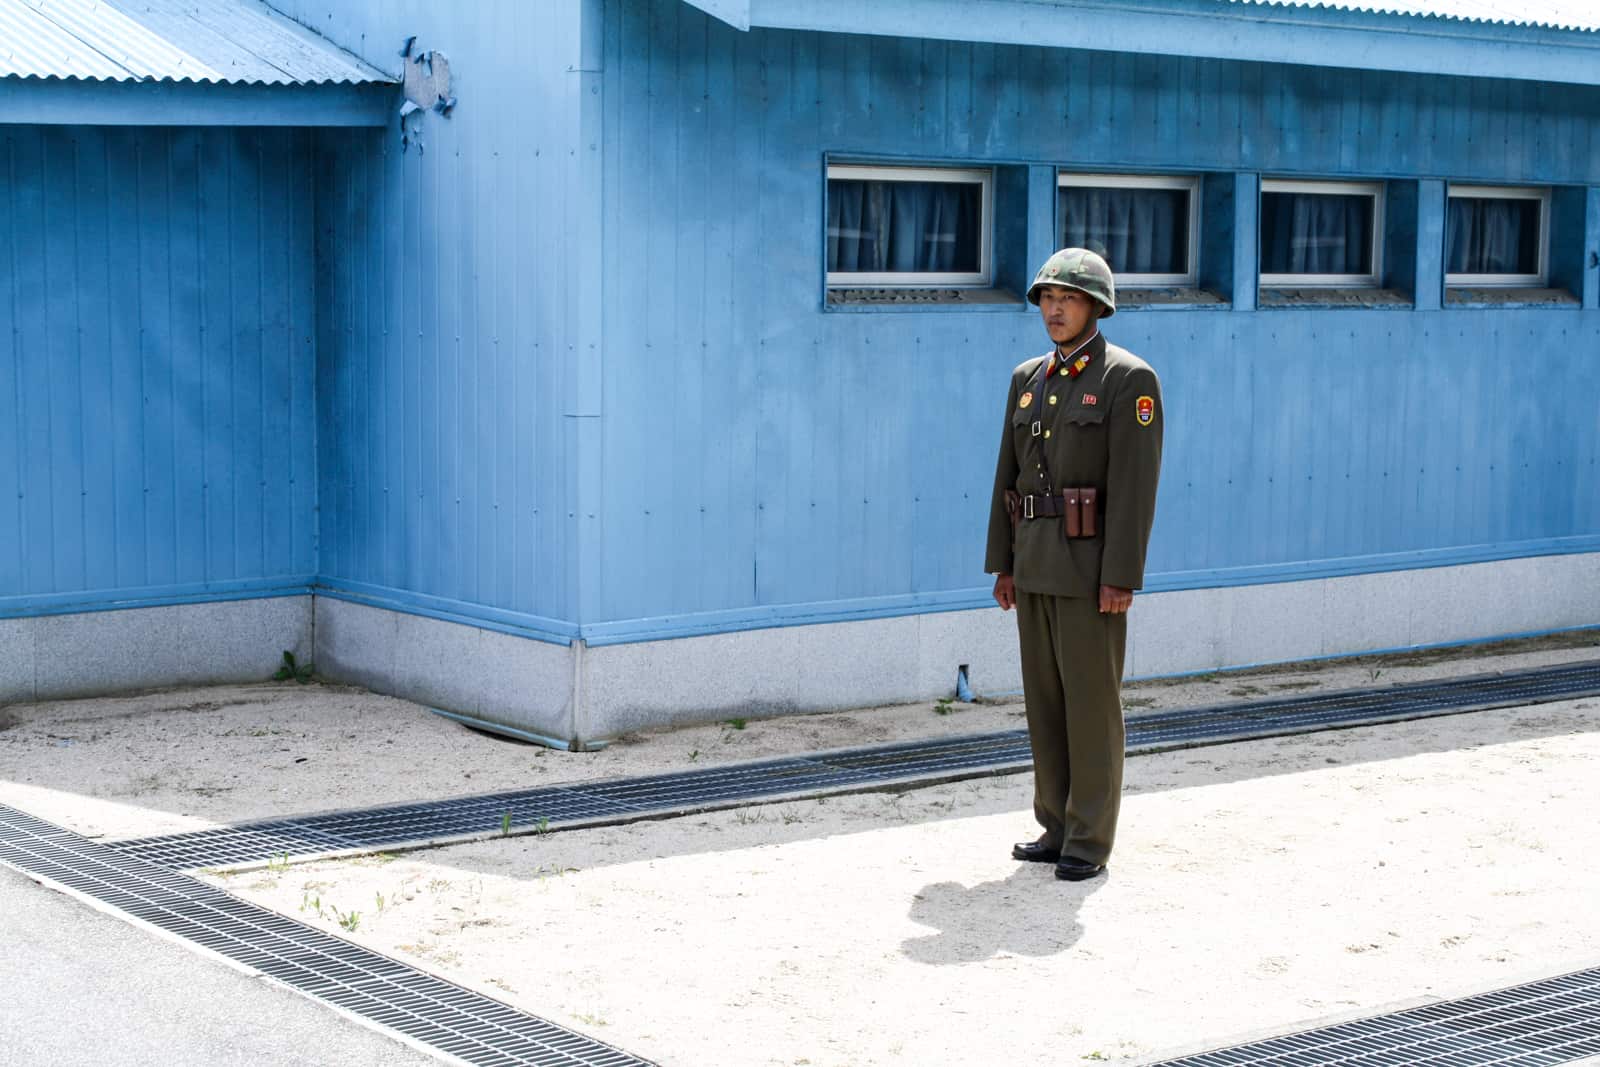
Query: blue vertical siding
448	377
565	368
783	456
156	363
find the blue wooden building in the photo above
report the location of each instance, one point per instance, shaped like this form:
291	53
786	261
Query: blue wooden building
650	366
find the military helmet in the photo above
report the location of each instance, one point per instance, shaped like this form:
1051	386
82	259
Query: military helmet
1080	269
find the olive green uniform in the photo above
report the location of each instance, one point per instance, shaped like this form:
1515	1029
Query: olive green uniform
1099	429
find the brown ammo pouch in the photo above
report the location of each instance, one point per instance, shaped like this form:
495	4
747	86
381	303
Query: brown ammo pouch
1079	517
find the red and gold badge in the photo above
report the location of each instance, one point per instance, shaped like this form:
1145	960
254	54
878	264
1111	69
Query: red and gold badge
1027	398
1145	410
1090	400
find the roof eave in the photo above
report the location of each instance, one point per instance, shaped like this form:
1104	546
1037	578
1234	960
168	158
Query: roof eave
76	101
1323	36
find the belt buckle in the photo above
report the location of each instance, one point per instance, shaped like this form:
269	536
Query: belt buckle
1027	506
1037	428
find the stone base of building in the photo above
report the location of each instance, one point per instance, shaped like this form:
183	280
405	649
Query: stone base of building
573	695
54	657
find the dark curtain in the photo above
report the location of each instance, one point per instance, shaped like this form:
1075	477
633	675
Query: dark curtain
1316	233
906	227
1138	231
1490	236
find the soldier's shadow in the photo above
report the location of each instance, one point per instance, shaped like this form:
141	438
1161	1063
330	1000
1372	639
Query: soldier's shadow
1029	913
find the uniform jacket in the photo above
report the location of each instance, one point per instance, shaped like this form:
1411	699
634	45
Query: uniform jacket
1092	433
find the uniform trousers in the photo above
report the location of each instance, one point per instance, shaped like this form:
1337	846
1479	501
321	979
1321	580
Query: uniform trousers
1072	682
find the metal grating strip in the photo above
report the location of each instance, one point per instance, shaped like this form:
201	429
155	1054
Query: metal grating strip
947	759
1540	1024
467	1025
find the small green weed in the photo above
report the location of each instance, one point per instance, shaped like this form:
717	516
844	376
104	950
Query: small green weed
542	826
278	863
350	920
291	671
737	724
943	707
505	824
543	872
694	755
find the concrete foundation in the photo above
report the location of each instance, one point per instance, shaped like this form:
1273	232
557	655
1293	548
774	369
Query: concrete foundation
577	694
53	657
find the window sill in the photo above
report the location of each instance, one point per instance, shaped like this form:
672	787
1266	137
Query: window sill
1333	298
1174	298
1463	296
928	299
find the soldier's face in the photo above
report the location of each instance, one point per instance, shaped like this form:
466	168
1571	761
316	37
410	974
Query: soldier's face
1067	313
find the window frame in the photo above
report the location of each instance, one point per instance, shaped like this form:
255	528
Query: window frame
1188	183
1329	187
1538	280
982	279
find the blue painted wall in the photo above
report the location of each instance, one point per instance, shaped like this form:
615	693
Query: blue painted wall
451	350
156	365
568	370
786	462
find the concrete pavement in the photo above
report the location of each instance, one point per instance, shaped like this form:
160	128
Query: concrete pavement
78	987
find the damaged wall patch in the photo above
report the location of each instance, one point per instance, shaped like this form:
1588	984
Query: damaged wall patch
427	88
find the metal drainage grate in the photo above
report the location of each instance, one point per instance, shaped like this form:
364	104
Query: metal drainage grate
466	1025
850	770
1541	1024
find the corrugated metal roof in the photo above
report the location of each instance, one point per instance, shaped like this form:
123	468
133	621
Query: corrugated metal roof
236	41
1553	14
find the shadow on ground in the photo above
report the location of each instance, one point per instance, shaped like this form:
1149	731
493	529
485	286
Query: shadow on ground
1021	921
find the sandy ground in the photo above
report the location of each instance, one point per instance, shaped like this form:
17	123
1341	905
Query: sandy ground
187	759
1256	887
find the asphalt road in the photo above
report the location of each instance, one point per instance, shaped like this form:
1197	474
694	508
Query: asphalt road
80	987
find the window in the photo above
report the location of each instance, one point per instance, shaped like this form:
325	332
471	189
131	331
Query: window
1496	236
902	226
1144	225
1320	233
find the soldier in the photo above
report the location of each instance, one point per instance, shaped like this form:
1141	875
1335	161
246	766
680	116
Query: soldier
1074	499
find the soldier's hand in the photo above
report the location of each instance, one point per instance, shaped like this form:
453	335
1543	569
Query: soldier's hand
1005	592
1114	600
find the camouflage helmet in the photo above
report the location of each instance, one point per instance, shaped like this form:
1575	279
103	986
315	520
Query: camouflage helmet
1080	269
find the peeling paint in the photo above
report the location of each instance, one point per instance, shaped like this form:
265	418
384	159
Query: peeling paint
1314	297
427	88
1510	297
921	296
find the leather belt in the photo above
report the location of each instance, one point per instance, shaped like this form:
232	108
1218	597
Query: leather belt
1038	506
